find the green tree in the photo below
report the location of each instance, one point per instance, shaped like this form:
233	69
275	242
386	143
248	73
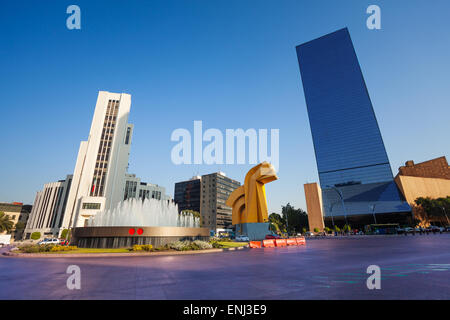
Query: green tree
64	234
347	228
6	224
19	226
276	222
316	230
36	235
295	219
439	207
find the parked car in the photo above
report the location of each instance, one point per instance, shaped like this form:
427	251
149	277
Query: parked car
309	234
242	239
272	236
63	242
409	230
48	241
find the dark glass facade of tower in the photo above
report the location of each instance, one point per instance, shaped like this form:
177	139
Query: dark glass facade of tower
350	153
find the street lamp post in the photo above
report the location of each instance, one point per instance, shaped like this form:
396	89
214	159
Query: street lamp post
342	200
372	207
445	213
331	212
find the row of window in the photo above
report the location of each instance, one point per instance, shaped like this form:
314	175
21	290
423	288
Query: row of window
98	180
91	206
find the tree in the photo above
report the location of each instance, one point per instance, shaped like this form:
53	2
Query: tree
19	226
347	228
276	222
436	208
64	233
36	235
295	219
316	230
6	224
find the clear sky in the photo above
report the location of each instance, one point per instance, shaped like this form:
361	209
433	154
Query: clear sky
231	64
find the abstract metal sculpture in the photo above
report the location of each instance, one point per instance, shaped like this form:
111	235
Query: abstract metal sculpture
248	202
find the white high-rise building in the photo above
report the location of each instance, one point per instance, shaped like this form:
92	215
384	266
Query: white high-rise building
98	180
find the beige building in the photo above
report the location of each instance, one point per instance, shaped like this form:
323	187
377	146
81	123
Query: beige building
313	195
426	179
17	212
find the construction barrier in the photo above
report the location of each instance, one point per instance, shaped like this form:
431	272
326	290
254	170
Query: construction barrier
280	242
291	242
255	244
269	243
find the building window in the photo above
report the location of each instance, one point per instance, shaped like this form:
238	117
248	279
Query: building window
127	138
91	206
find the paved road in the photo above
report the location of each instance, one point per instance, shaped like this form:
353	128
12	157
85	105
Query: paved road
412	267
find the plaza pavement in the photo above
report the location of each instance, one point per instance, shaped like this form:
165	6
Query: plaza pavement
412	267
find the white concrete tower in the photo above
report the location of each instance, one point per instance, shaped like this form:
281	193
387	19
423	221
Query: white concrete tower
98	180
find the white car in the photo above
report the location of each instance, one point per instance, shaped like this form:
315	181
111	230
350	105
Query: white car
242	239
48	241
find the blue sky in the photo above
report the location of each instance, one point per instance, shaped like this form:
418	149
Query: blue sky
231	64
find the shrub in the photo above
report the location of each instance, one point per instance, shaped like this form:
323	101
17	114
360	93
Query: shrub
35	248
63	248
36	235
142	247
180	245
201	245
29	248
316	230
215	244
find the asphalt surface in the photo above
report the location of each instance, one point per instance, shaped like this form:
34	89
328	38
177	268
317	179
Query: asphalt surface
412	267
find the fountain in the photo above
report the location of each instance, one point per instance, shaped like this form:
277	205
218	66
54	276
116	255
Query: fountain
137	221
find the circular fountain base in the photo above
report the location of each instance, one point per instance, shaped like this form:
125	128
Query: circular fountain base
121	237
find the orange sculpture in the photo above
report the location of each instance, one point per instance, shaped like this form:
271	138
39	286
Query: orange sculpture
248	202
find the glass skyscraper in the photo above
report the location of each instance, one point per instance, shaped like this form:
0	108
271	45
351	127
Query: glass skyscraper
351	158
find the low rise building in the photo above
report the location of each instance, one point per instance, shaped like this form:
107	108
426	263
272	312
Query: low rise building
18	213
428	179
207	195
47	215
135	188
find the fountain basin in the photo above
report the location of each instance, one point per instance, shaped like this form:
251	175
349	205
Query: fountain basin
120	237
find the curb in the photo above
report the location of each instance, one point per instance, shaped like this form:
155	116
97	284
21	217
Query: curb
113	254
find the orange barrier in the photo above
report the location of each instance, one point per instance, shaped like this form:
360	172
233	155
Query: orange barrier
255	244
269	243
300	241
280	242
291	242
